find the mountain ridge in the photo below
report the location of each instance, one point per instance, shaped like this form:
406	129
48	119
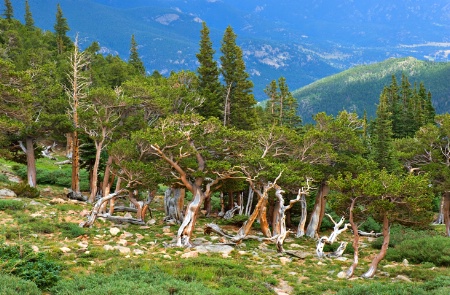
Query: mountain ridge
303	41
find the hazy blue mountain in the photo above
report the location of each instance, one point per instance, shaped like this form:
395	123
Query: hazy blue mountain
300	40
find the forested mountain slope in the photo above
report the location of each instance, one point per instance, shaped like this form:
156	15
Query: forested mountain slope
358	89
301	40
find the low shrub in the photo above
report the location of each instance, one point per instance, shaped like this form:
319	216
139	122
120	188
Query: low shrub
11	205
136	282
437	251
22	262
438	286
23	190
382	289
400	233
4	178
370	225
11	285
237	220
72	230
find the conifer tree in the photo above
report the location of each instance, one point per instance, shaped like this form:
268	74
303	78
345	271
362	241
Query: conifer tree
61	28
8	12
239	104
382	135
135	61
208	75
288	106
29	21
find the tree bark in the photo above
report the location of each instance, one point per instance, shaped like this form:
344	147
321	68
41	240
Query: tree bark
96	210
373	266
446	213
173	204
75	163
302	223
28	149
187	227
351	270
317	214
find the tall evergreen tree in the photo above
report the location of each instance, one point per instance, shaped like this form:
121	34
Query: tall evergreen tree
208	75
135	61
288	106
8	12
61	28
382	135
29	21
239	104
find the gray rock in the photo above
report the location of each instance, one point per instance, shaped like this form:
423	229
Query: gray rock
7	193
224	249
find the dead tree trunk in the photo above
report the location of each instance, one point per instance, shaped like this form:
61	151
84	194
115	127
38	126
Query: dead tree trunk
245	228
280	224
96	210
333	236
351	270
317	214
187	227
302	223
173	204
446	213
222	206
248	207
374	265
28	149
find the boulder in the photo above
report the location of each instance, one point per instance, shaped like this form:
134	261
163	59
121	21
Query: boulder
7	193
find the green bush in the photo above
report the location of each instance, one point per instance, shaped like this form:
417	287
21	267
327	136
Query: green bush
72	230
11	285
4	178
231	276
23	190
370	225
437	251
237	220
22	262
136	282
382	289
437	286
43	227
400	233
11	205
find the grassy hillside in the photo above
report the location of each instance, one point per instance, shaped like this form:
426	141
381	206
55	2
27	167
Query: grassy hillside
359	88
44	251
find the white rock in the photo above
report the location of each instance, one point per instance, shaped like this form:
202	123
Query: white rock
341	258
403	278
83	245
114	231
57	201
35	248
342	275
223	249
122	249
151	222
34	203
122	242
7	193
138	252
166	229
128	215
191	254
167	257
108	247
65	249
405	262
